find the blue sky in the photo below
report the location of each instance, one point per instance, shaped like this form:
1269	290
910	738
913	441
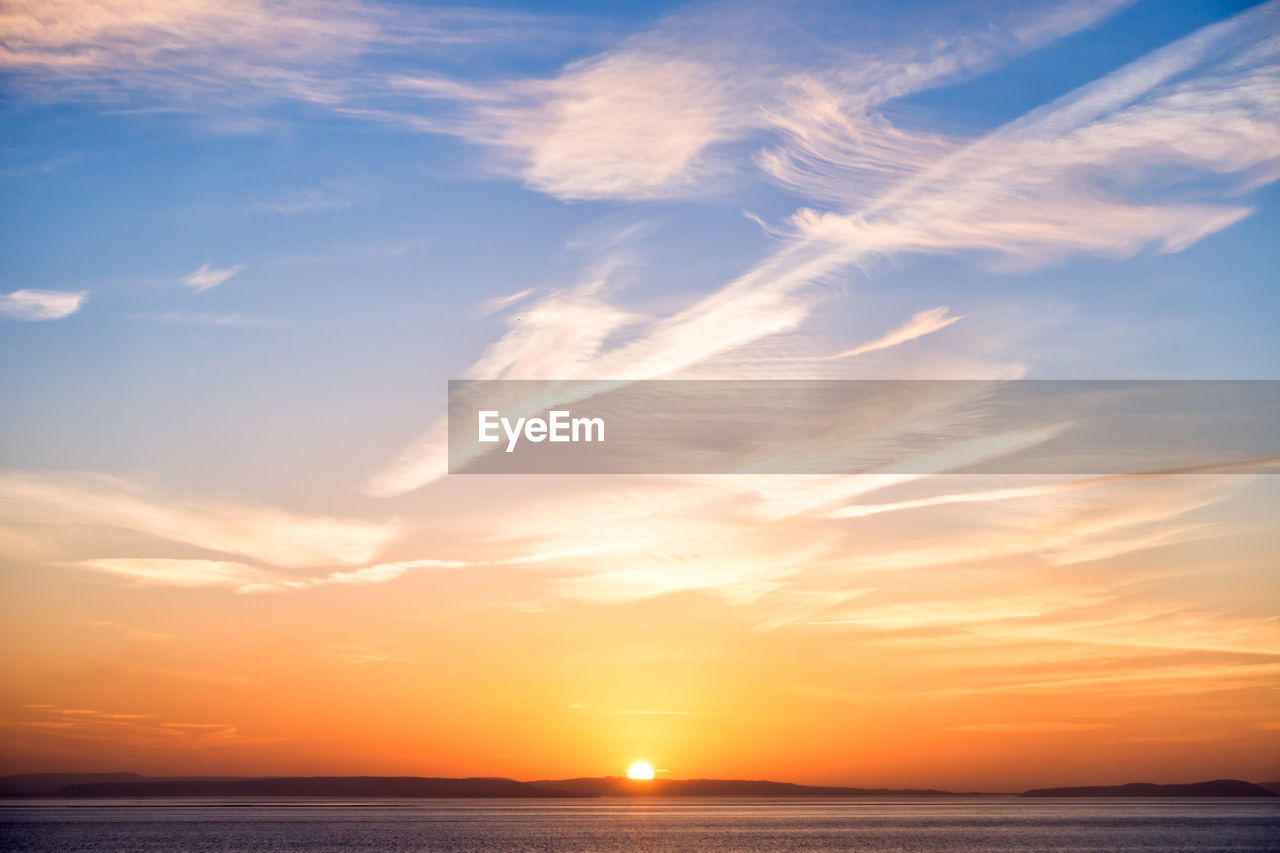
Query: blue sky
365	227
245	245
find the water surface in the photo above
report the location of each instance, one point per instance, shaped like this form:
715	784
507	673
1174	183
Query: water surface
719	825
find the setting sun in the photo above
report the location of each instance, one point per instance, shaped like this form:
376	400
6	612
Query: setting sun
639	770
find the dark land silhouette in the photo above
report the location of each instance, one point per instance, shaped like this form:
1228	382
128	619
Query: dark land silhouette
303	786
618	786
1216	788
25	784
127	785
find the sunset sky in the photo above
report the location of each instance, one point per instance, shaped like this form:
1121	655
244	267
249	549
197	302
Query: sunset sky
247	243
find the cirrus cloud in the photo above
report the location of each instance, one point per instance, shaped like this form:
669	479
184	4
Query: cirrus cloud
207	277
33	305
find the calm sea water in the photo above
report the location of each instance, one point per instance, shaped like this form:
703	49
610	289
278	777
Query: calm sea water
600	826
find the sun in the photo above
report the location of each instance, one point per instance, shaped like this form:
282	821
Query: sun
639	770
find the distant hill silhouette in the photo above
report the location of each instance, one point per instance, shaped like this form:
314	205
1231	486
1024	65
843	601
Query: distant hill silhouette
617	786
312	786
1216	788
133	785
47	783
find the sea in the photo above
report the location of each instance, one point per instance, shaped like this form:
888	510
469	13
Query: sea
718	825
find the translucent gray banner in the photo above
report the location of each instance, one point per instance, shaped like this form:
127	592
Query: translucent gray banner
1090	427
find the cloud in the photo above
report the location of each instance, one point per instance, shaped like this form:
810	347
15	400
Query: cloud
1089	173
1040	489
769	550
381	573
131	633
1165	682
50	503
354	654
32	305
833	149
659	115
557	335
492	306
42	167
333	195
206	277
656	116
249	321
656	712
128	731
626	125
1086	174
921	324
79	33
1036	727
180	573
1056	525
208	54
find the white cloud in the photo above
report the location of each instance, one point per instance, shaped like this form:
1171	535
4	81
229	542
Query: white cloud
833	149
51	502
650	118
208	54
1079	176
627	125
181	573
381	573
35	305
498	303
206	277
921	324
1089	173
1041	489
654	117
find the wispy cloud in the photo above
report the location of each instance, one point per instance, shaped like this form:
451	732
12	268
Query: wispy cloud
1034	192
41	167
205	54
250	321
1082	175
655	712
924	323
381	573
654	117
332	195
354	654
1038	727
32	305
124	730
632	124
261	533
348	254
600	128
180	573
498	303
1041	489
1165	681
207	276
130	632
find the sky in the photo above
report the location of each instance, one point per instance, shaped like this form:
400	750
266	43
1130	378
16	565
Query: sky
246	244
